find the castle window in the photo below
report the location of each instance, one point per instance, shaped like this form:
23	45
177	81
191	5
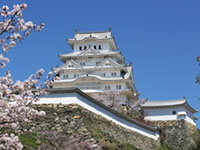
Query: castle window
108	64
80	48
174	112
85	47
95	47
65	76
74	75
107	87
98	62
99	46
82	63
104	74
113	74
118	87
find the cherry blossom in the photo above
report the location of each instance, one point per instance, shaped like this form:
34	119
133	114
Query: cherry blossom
16	98
15	105
13	28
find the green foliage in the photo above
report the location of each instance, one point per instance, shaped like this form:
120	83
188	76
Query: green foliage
163	147
107	142
127	146
29	141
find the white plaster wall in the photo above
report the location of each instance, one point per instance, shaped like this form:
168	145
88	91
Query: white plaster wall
113	86
99	73
98	88
190	120
74	98
104	45
166	114
90	62
162	111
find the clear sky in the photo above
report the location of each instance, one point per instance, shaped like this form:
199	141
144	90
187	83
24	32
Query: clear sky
161	38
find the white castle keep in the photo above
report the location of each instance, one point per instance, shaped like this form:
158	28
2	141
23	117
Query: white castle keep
96	66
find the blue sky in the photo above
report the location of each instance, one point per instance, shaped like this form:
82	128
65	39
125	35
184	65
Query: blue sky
161	38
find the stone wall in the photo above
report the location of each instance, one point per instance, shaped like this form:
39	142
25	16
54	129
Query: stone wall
178	134
66	120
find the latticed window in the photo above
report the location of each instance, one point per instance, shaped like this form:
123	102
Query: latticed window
118	87
65	76
82	63
108	64
113	74
107	87
98	62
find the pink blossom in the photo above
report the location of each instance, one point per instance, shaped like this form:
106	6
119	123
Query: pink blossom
5	8
29	24
1	57
7	60
12	44
16	98
23	6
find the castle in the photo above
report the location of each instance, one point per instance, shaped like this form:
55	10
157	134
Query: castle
95	67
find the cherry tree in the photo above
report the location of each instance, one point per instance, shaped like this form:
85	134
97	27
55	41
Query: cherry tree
136	105
16	98
60	140
109	98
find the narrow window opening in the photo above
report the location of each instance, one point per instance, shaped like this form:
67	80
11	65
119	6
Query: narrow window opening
99	46
65	76
107	87
95	47
174	112
98	62
80	48
85	47
118	87
113	74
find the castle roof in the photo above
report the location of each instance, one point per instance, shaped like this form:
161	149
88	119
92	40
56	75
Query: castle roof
80	53
97	36
168	103
90	52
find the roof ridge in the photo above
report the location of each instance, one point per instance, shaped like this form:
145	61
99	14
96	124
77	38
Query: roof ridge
89	32
174	100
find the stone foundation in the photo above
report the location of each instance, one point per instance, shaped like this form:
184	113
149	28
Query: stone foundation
73	119
178	134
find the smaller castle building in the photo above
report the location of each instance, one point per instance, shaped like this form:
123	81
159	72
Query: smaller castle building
169	110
